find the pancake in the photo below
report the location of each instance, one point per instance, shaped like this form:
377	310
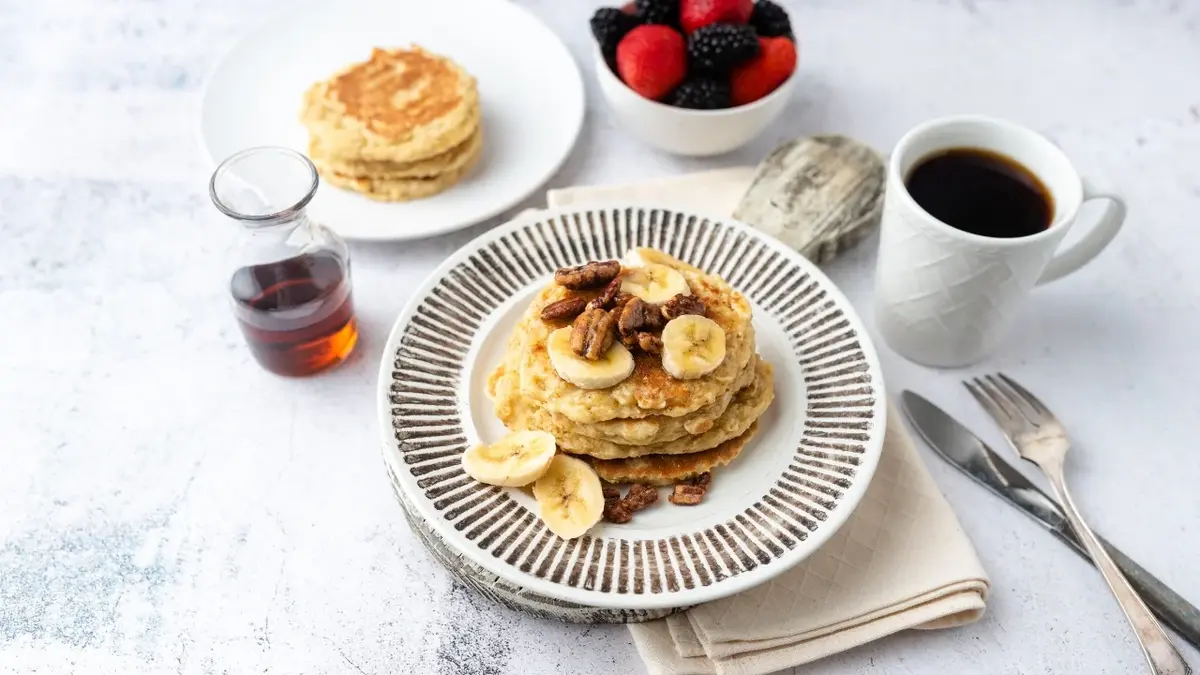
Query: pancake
402	189
671	469
447	162
650	390
516	412
401	105
747	406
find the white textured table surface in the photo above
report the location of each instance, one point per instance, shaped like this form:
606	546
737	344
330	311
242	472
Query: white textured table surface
166	506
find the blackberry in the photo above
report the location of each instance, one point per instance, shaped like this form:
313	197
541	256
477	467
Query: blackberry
665	12
771	20
702	92
609	25
718	47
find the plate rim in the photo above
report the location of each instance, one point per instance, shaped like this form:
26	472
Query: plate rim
578	86
666	599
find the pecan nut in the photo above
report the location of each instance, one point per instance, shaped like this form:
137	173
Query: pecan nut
649	343
638	316
592	334
607	296
615	510
620	300
591	275
618	509
640	496
692	492
683	304
563	309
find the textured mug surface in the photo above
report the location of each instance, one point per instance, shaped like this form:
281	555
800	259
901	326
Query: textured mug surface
789	491
945	297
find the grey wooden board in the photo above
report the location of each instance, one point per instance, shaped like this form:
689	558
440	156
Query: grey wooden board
819	194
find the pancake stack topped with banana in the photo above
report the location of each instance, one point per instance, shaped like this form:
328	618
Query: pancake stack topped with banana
640	372
403	125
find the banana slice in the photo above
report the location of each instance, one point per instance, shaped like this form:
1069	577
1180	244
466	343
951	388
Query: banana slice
693	346
654	283
515	460
569	497
614	366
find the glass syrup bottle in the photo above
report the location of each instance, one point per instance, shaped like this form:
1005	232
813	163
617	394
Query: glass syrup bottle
290	282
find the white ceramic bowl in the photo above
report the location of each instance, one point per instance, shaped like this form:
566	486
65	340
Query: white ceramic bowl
689	132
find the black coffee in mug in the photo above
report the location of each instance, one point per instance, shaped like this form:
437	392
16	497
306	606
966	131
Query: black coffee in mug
981	192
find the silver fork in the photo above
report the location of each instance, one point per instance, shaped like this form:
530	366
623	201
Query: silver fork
1038	437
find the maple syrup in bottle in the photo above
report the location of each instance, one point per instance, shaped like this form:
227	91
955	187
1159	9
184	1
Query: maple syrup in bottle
291	281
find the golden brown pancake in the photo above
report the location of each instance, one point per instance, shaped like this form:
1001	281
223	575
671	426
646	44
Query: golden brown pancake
671	469
401	105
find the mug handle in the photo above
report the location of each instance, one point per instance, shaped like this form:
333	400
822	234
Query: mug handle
1101	233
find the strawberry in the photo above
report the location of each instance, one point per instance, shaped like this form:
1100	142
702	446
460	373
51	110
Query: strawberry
652	60
695	14
756	78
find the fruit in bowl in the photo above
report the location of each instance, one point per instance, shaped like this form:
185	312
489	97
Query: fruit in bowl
698	54
695	77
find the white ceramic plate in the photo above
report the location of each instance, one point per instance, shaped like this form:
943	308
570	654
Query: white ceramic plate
785	495
530	90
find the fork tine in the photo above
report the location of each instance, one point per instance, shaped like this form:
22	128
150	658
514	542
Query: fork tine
1000	397
1007	422
1014	399
1032	400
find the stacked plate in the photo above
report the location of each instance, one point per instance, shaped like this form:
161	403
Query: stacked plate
789	491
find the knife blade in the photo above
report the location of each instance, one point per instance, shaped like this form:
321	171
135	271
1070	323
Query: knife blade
964	451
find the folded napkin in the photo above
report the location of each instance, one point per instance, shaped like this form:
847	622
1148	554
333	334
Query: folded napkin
901	561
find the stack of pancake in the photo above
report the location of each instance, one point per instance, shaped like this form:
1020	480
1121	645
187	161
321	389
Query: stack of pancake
403	125
651	427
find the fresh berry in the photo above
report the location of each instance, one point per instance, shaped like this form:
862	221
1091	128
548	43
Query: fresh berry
696	14
771	20
702	92
629	7
609	25
755	79
664	12
652	60
718	47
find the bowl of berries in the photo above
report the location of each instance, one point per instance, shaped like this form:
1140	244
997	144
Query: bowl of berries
695	77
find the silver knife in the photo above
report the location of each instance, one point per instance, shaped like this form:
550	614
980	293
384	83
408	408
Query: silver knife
963	450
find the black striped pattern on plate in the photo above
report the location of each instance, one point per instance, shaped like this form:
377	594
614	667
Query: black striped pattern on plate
429	363
506	593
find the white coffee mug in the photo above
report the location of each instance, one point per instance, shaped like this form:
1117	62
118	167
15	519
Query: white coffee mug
945	297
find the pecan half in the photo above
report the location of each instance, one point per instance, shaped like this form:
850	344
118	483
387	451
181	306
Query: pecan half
650	343
640	496
638	315
607	296
593	333
591	275
619	509
691	492
620	300
563	309
683	304
615	509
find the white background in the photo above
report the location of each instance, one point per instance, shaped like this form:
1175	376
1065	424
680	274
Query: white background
166	506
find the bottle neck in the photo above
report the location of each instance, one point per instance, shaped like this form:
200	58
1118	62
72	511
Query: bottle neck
279	228
275	240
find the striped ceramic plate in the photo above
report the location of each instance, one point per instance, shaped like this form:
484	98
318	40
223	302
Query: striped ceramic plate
788	492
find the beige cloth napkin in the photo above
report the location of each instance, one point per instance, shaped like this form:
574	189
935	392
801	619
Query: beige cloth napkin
901	561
